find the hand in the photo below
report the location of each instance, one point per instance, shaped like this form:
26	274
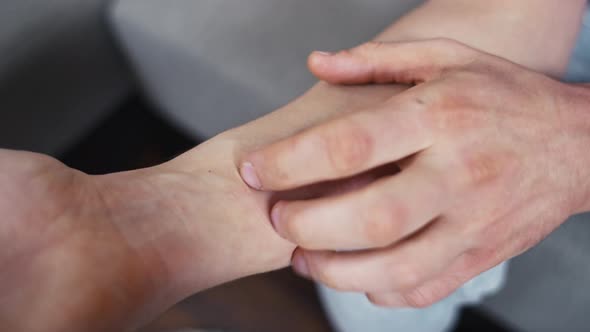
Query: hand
493	158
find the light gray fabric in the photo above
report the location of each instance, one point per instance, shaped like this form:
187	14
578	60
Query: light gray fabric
59	72
353	312
213	64
547	288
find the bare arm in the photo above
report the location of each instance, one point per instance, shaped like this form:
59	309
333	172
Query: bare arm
191	224
539	34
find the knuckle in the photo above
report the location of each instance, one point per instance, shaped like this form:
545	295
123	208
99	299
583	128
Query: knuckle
481	169
325	269
420	298
406	276
278	158
293	227
474	233
348	146
383	224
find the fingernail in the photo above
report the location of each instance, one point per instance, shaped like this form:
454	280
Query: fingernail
387	301
249	176
300	265
322	53
275	215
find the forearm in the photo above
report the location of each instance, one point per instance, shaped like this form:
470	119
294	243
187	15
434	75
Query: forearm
505	28
539	34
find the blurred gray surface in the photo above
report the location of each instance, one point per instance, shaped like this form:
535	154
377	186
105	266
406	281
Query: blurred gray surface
579	67
214	64
547	288
59	72
353	312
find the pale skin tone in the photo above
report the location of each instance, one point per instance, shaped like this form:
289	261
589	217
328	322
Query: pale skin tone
493	158
111	252
102	253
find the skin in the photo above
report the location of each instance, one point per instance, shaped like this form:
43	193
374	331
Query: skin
547	27
84	253
275	167
109	253
493	158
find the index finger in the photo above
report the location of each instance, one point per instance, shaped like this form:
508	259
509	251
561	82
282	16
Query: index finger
338	149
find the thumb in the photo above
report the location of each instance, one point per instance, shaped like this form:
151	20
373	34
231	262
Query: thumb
380	62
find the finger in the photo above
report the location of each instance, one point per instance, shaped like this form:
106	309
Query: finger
379	62
340	148
375	216
465	268
424	296
471	263
333	188
402	267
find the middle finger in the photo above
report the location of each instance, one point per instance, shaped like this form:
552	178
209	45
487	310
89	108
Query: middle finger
375	216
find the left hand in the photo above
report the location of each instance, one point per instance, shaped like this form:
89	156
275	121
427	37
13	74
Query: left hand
493	158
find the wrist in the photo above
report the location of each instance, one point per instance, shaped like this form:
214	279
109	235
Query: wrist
576	118
131	279
91	277
183	218
146	271
237	238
